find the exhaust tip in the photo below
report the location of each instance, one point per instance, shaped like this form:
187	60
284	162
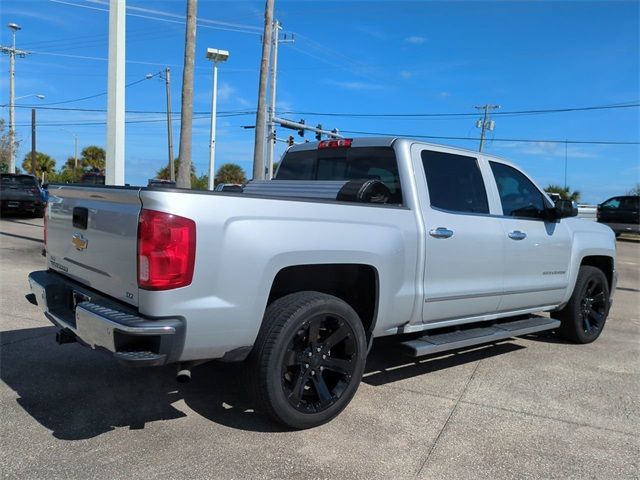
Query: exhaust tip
183	376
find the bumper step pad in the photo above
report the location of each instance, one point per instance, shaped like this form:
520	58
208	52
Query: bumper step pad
462	338
140	359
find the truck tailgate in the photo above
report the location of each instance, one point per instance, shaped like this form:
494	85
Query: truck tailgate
92	237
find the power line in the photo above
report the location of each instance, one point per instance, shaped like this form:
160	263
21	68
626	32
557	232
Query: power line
358	115
102	110
100	122
98	94
525	140
171	18
464	114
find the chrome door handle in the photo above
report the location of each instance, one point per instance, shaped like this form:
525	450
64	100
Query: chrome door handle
441	232
517	235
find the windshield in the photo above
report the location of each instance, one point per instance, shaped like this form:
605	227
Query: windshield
378	163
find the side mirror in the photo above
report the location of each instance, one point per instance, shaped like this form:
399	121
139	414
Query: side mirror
565	208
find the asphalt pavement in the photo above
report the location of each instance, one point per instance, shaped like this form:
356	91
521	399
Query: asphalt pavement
535	407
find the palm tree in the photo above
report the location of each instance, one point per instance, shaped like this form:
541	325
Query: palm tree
44	163
564	192
92	157
230	173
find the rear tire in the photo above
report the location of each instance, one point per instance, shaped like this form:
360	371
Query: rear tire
584	316
308	359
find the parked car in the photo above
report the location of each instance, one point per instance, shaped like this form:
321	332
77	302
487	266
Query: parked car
354	239
621	213
94	177
21	194
229	187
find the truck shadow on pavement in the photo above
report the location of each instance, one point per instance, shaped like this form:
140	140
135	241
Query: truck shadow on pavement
77	393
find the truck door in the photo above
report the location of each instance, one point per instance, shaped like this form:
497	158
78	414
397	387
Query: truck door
464	242
538	251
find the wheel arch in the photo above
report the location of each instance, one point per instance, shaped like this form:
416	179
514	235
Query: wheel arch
604	263
357	284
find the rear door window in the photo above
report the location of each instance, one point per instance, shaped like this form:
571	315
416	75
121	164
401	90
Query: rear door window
630	203
455	183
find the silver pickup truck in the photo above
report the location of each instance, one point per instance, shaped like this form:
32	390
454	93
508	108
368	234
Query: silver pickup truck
354	239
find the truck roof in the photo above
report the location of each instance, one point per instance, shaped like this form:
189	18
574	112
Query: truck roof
388	141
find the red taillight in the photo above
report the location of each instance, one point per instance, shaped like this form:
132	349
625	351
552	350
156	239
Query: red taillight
166	250
336	143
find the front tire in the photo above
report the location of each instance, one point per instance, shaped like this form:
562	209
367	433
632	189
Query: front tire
308	359
584	316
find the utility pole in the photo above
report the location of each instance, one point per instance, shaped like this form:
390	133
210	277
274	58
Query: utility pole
565	163
186	113
271	137
167	82
33	141
259	143
485	123
114	174
12	52
75	153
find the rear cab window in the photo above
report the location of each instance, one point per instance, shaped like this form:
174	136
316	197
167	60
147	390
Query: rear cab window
357	163
455	183
7	180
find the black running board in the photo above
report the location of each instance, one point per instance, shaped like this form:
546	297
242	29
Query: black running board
462	338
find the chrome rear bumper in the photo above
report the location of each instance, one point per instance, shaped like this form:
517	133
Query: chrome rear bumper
99	322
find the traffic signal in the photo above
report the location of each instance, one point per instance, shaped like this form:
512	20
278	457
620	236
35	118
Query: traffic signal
301	130
318	134
290	141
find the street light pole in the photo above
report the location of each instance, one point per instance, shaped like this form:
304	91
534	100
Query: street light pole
212	133
215	56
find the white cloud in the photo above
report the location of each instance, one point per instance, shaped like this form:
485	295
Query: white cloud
406	74
355	85
226	92
284	106
548	149
415	40
444	94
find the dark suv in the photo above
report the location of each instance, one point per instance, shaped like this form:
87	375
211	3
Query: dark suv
21	194
622	214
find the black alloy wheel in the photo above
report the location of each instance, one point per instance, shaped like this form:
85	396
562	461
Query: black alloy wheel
584	316
308	359
319	363
593	306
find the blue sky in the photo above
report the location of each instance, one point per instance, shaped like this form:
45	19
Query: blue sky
349	57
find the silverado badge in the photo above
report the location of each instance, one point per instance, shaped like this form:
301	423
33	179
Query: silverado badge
79	241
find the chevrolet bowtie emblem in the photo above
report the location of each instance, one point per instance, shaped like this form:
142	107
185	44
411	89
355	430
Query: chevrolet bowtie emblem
79	241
